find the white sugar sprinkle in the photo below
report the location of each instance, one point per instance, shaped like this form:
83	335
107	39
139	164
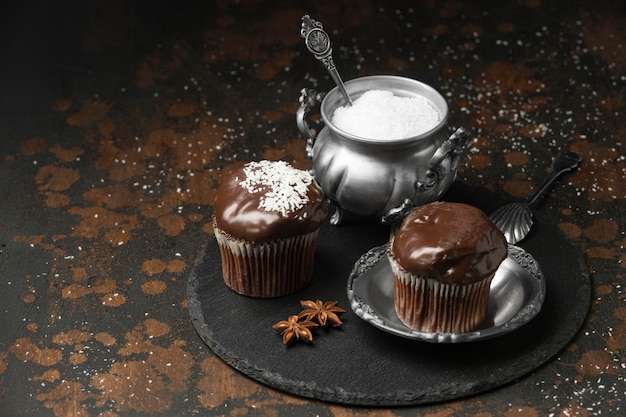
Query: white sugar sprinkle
285	186
379	114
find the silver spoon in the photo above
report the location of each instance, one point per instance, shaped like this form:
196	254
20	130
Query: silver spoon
516	219
318	42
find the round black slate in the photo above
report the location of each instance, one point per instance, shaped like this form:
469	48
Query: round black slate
358	364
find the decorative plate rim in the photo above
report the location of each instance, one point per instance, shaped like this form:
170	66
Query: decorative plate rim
527	311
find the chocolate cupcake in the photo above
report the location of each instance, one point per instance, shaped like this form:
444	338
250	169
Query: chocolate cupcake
266	221
443	257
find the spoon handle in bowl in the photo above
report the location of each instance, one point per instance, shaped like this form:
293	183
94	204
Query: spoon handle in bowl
318	42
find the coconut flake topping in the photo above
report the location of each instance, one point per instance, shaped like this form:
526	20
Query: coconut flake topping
286	187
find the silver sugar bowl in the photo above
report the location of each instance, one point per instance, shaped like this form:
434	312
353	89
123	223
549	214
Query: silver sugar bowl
381	178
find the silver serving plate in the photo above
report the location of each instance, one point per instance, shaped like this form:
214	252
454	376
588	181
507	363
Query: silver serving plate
517	292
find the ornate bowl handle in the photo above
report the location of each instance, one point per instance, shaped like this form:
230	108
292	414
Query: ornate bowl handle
309	98
451	148
444	160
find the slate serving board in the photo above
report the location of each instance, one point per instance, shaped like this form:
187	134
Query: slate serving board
358	364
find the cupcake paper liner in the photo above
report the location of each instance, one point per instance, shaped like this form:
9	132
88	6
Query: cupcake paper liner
428	305
269	269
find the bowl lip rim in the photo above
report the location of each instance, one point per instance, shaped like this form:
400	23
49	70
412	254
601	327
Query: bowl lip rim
410	139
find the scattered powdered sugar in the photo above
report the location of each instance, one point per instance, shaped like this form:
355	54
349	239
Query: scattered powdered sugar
379	114
286	187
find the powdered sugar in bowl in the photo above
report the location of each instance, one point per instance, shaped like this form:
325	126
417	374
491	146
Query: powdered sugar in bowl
387	153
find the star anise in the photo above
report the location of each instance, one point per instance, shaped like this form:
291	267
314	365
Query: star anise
294	329
324	313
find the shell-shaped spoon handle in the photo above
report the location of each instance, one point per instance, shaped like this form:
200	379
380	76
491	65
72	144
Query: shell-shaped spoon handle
318	42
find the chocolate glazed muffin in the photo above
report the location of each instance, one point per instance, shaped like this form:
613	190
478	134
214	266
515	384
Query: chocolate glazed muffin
267	216
443	257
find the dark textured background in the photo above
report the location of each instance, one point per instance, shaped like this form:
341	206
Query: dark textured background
117	118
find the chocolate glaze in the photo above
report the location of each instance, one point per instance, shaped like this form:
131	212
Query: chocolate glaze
452	242
237	212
